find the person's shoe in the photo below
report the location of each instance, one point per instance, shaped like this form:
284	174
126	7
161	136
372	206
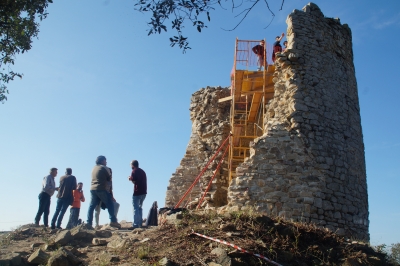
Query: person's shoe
53	226
58	227
35	224
115	224
87	226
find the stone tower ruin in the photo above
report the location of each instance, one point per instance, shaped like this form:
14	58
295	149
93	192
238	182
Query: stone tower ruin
309	164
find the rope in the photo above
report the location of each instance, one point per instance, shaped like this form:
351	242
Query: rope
236	247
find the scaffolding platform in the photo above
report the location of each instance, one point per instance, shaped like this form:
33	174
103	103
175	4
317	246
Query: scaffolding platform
251	91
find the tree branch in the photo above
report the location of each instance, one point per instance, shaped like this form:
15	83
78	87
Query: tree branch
247	11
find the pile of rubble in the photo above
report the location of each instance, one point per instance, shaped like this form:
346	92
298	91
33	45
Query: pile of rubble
32	245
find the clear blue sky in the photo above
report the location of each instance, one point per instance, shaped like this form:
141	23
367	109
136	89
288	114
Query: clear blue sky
95	83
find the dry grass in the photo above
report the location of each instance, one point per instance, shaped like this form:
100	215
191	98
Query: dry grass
289	243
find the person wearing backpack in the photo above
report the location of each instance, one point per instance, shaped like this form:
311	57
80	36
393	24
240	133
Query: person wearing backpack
98	192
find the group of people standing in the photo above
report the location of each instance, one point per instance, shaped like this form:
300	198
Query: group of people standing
70	193
260	51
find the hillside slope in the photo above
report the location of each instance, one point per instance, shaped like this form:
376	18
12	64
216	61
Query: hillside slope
283	242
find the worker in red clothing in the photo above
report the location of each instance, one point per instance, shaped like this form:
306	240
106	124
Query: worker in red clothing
259	50
139	180
277	46
76	206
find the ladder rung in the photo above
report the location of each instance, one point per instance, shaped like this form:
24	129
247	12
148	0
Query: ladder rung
239	157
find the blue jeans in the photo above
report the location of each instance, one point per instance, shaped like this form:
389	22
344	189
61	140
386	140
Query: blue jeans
73	218
95	197
44	208
61	208
137	202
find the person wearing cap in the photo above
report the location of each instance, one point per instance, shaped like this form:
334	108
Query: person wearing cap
259	50
139	180
64	197
75	206
101	175
48	188
102	205
277	45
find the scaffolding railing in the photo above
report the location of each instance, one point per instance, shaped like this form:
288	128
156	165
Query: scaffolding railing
248	96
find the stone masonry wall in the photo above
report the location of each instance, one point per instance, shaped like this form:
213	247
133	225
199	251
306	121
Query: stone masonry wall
210	127
310	165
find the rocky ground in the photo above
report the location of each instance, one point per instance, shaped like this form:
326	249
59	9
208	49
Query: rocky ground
283	242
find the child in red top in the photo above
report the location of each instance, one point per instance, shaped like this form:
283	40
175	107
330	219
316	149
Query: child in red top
76	206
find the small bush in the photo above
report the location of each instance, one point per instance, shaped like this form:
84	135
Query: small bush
394	256
143	252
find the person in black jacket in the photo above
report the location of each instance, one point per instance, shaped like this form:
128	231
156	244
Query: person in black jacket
277	46
64	197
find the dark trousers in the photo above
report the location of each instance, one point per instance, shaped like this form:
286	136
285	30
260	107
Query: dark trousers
61	208
44	208
73	218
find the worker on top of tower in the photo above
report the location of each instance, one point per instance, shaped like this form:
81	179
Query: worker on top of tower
284	46
277	46
259	50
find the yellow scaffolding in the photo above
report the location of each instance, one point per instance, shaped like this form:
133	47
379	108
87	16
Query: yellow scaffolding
251	90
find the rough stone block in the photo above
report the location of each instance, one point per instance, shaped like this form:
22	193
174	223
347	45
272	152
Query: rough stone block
99	241
327	205
222	257
63	237
165	262
103	233
118	243
39	257
308	200
63	257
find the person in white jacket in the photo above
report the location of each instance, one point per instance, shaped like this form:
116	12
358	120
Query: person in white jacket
48	189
